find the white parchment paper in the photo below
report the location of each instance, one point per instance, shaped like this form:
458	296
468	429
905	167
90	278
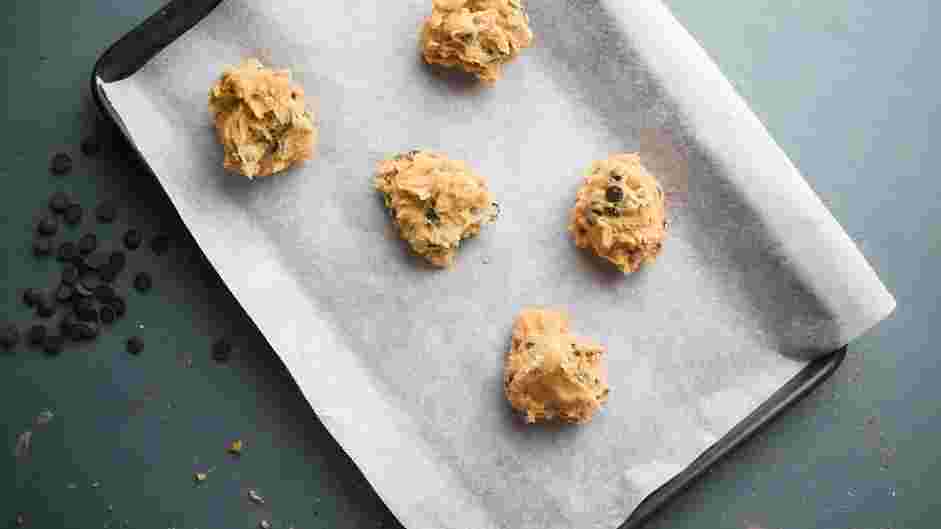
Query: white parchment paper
403	363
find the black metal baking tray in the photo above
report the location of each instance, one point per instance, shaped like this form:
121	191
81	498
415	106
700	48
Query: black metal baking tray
142	43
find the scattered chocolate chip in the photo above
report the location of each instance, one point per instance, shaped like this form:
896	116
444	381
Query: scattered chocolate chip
119	306
143	282
73	214
31	297
20	519
221	350
64	293
70	273
59	202
48	225
66	324
160	244
107	314
52	344
36	334
90	146
86	330
135	345
91	280
117	260
67	251
82	291
611	211
106	212
96	261
75	331
9	336
88	243
432	215
45	308
85	310
61	163
133	239
614	194
108	273
104	292
42	247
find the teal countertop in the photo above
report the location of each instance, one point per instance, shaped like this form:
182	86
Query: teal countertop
850	90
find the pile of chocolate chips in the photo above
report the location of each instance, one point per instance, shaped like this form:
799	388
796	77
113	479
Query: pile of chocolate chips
83	298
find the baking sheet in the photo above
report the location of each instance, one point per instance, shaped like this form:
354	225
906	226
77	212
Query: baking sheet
401	362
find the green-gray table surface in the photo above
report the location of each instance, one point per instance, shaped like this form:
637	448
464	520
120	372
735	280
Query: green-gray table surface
849	88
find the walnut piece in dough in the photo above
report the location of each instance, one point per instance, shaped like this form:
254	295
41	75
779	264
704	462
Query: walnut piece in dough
479	36
550	374
261	119
435	202
620	213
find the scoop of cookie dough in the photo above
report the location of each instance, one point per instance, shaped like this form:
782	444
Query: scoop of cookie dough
620	213
478	36
261	119
435	202
549	374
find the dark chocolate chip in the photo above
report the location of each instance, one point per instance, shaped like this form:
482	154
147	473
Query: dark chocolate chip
96	261
48	225
107	314
73	214
45	307
117	260
91	280
143	282
221	350
616	175
86	330
108	273
614	194
75	331
611	211
85	310
67	251
36	334
70	273
31	297
104	293
66	324
90	146
106	212
83	291
59	202
133	239
61	163
53	344
88	243
9	336
119	306
64	293
432	215
160	244
42	247
135	345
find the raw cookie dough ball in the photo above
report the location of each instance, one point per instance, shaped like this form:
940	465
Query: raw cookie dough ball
479	36
261	119
620	213
436	202
551	374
